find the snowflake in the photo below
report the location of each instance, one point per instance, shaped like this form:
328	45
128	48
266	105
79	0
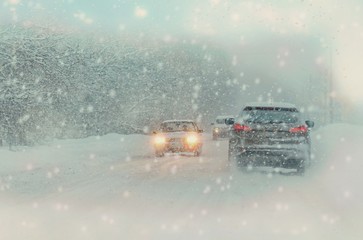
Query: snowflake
206	189
126	194
140	12
90	108
83	17
112	93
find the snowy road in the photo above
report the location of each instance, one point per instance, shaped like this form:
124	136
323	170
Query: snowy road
112	187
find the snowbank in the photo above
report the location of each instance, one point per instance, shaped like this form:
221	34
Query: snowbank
112	187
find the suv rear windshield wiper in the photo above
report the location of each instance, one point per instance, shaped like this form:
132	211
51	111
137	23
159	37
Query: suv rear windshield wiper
275	121
262	121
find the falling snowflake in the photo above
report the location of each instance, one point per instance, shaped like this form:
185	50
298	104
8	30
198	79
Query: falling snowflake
140	12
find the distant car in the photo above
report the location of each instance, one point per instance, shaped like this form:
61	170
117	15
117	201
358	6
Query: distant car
178	136
270	134
220	129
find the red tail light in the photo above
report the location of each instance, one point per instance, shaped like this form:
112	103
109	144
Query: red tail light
241	128
299	129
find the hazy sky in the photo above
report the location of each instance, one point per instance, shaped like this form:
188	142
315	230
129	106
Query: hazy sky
336	25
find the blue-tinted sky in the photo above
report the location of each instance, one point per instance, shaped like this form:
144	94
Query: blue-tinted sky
336	25
109	15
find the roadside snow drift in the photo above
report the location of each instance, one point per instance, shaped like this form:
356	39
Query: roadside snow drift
112	187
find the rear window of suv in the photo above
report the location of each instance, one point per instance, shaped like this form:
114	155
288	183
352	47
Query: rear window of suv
270	115
271	109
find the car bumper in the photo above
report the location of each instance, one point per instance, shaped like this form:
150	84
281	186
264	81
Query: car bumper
178	148
273	155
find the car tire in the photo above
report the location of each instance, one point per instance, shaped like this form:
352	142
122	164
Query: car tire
308	158
159	154
197	153
300	168
232	158
231	155
232	152
242	161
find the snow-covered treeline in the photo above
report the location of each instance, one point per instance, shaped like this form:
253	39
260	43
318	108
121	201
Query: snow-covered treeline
65	85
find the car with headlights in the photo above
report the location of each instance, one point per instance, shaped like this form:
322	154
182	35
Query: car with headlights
219	128
178	136
270	134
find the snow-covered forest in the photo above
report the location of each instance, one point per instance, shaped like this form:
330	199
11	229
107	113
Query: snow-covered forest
67	85
72	84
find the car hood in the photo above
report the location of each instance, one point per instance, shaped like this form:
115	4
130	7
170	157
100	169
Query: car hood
177	134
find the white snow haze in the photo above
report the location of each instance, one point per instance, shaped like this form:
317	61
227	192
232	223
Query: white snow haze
84	86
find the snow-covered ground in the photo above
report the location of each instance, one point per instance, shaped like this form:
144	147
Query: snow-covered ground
112	187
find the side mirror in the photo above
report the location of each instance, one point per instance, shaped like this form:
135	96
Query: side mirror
310	124
229	121
200	130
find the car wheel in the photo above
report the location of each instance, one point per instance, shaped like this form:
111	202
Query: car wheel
232	158
242	161
233	149
244	164
159	154
197	153
231	154
308	158
300	168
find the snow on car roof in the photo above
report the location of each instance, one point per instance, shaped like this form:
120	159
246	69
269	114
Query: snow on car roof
187	120
270	104
224	117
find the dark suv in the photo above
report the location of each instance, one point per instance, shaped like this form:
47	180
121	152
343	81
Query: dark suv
270	135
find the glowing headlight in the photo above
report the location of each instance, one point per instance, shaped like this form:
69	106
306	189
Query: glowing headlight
192	139
159	140
216	130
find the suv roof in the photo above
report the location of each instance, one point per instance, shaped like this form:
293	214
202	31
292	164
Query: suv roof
268	106
167	121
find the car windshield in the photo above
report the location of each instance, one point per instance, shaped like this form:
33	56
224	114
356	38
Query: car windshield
260	116
178	127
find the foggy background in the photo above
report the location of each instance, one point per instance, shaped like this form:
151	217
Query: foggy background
79	68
